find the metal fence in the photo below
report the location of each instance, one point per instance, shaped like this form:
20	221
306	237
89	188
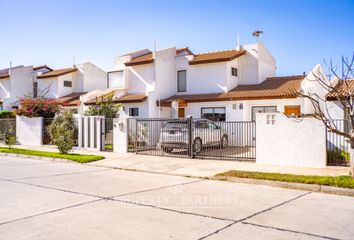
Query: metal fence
7	125
188	138
338	146
108	134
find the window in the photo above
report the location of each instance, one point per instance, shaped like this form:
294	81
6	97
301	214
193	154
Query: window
74	110
261	109
182	81
35	89
116	79
67	84
134	112
234	71
217	114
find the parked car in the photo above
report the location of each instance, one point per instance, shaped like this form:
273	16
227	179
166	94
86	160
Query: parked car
204	133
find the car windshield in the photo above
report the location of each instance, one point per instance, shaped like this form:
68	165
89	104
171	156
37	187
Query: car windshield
175	125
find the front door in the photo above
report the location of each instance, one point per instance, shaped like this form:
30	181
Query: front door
181	112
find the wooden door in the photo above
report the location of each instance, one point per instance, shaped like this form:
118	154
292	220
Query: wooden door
181	112
291	110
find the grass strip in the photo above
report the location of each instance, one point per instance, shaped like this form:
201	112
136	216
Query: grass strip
81	158
338	181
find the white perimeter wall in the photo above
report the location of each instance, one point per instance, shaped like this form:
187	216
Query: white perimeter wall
290	142
29	130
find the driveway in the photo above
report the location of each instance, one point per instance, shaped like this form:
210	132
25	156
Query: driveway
42	199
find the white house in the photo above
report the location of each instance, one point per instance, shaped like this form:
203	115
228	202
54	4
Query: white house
230	85
69	85
17	82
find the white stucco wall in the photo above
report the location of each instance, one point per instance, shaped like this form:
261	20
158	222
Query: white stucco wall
92	76
311	86
143	109
141	78
62	90
256	65
20	84
29	130
232	81
234	113
4	88
207	78
290	142
279	103
48	83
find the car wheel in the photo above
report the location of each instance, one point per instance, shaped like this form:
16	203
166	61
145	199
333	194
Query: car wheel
167	149
224	141
197	145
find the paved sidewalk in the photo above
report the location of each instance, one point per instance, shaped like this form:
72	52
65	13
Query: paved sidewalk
52	200
192	167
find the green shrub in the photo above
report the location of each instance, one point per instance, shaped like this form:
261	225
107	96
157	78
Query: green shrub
104	107
7	114
10	139
61	131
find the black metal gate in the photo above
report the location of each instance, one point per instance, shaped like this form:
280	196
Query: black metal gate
338	147
108	134
193	138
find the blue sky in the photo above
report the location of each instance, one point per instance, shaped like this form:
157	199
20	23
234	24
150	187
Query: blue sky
298	33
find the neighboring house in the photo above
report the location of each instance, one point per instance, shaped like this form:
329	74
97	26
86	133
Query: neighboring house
17	82
334	108
230	85
69	85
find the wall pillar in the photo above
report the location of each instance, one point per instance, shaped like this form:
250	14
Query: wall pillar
120	135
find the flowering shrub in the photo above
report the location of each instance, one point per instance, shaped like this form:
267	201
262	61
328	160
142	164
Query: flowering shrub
38	107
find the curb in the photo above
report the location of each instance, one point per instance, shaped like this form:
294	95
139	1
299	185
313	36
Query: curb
38	157
290	185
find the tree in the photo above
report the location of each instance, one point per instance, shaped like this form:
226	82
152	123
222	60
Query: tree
104	107
38	107
62	131
338	85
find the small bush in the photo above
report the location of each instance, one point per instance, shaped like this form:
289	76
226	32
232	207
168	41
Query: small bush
10	139
7	114
61	131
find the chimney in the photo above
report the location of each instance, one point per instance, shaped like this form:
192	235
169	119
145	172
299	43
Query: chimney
238	48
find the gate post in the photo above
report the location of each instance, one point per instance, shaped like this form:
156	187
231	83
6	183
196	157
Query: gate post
120	134
190	143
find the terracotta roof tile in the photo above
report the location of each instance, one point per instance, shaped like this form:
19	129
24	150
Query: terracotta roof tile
72	99
144	59
42	66
185	49
343	89
129	98
4	75
57	72
271	88
220	56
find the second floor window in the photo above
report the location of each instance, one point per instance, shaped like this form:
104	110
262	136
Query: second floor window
134	112
35	89
182	81
234	71
68	84
116	79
